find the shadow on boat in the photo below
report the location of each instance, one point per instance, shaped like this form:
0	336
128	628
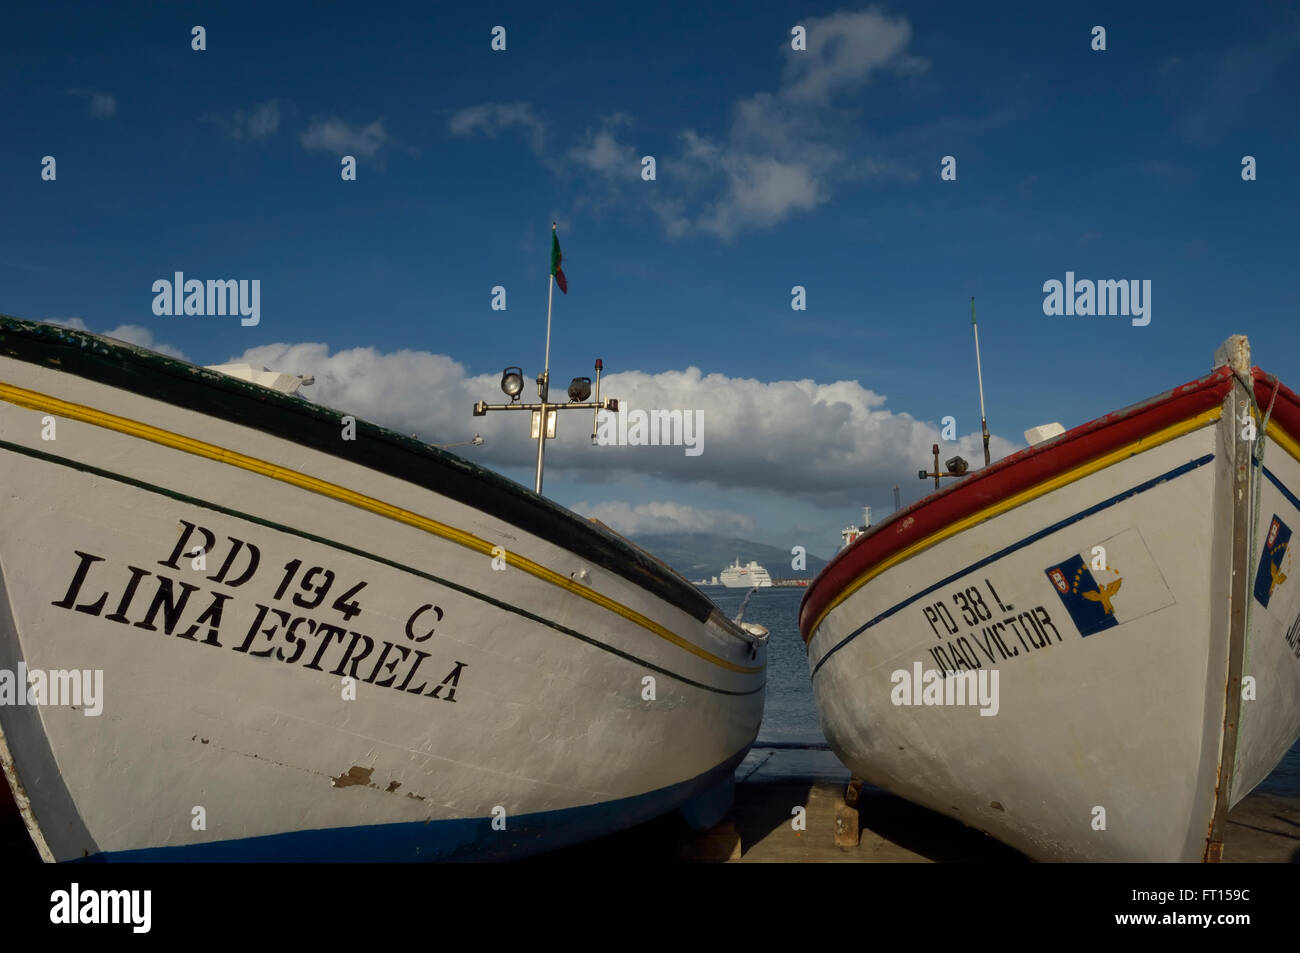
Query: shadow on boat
16	846
927	833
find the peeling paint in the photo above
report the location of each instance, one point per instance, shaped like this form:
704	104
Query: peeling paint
354	775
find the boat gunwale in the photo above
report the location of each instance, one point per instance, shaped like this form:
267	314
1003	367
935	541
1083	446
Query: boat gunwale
156	376
1286	409
1020	471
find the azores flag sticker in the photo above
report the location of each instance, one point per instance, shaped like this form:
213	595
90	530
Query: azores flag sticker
1271	562
1089	602
1115	582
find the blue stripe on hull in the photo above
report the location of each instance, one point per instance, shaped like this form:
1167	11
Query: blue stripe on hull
461	839
1019	544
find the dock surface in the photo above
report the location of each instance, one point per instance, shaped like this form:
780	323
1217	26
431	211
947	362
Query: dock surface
773	782
1263	828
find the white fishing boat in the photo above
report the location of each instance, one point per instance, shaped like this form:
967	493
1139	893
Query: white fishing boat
319	639
1121	602
749	576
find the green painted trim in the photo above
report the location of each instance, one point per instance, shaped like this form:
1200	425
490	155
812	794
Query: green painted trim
177	382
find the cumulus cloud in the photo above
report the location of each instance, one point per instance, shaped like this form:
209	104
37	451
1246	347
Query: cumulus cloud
779	157
784	152
489	119
337	136
819	442
102	105
130	333
257	125
666	517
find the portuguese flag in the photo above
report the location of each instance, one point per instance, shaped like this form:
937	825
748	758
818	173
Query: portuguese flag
555	262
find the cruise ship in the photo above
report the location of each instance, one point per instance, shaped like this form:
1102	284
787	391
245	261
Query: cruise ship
849	533
749	576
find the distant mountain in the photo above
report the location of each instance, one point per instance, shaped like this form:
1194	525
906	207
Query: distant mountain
705	555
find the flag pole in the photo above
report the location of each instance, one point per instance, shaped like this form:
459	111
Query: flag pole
984	424
550	291
546	373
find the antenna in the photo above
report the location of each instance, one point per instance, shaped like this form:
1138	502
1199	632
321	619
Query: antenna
984	424
898	500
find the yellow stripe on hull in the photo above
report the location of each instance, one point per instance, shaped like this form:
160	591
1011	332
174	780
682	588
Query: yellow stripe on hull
53	405
1019	499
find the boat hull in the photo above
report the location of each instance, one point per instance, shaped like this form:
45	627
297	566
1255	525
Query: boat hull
354	666
1094	606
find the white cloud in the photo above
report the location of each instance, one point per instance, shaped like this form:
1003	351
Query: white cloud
409	391
257	125
844	49
102	105
819	442
666	517
130	333
143	337
337	136
602	152
490	119
781	155
824	444
762	191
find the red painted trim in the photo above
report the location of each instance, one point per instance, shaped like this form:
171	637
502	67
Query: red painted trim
1018	472
1286	409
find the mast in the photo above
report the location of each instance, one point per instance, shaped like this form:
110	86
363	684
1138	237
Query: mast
544	383
984	424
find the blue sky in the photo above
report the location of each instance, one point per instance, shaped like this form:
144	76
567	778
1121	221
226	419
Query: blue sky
775	168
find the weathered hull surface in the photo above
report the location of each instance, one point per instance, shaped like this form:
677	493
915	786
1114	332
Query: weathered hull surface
1108	578
343	674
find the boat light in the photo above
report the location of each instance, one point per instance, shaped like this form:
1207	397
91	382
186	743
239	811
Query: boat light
579	389
512	382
